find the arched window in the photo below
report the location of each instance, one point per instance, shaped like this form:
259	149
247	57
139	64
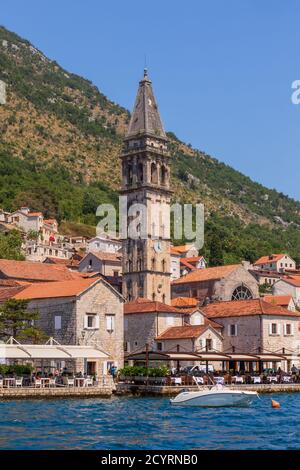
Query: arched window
164	298
154	179
163	175
140	172
129	290
153	296
140	288
139	264
129	174
153	264
163	265
241	293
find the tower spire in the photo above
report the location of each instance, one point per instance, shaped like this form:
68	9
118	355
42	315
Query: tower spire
145	118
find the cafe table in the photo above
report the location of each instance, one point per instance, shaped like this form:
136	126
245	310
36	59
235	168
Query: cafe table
79	381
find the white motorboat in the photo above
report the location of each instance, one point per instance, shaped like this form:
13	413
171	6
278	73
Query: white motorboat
214	397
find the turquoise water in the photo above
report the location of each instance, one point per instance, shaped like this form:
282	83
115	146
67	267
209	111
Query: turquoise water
148	423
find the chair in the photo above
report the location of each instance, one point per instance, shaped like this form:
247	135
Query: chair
52	382
19	382
71	382
37	382
88	382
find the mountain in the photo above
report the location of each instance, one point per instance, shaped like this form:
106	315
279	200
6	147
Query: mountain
59	146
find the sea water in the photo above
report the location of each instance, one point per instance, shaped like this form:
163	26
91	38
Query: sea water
148	423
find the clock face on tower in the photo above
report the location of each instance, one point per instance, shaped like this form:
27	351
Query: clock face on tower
158	246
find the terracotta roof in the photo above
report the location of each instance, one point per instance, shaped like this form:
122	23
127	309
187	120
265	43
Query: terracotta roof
238	308
50	221
142	305
278	299
207	274
48	290
184	302
7	293
61	261
192	259
293	280
105	256
187	264
267	259
181	248
33	214
183	332
35	271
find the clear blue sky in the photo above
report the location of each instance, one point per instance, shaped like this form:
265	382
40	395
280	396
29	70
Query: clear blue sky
222	70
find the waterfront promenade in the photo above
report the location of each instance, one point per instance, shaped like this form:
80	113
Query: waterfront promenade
144	390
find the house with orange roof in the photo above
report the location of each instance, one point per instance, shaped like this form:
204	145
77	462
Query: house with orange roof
185	251
275	262
228	282
285	301
254	325
32	272
146	319
190	264
81	311
288	285
104	262
192	338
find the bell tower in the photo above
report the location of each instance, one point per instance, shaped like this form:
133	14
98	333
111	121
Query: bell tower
146	183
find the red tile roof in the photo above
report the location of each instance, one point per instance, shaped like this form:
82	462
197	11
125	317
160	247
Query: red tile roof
293	280
207	274
61	261
49	290
105	256
192	259
183	332
282	300
7	293
34	271
268	259
181	248
238	308
184	302
142	305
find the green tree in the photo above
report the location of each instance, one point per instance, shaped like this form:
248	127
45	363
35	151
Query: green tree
216	257
10	245
17	321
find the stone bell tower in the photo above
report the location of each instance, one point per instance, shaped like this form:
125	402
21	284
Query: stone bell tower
146	184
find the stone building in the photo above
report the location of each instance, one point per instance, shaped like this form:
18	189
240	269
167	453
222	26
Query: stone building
288	286
250	326
146	185
231	282
145	319
108	264
83	312
276	262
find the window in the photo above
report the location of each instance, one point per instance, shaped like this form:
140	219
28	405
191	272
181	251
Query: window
116	273
57	322
241	293
159	346
232	330
274	329
110	323
91	321
125	324
208	344
126	346
288	330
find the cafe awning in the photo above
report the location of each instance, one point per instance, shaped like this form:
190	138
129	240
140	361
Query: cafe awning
50	350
